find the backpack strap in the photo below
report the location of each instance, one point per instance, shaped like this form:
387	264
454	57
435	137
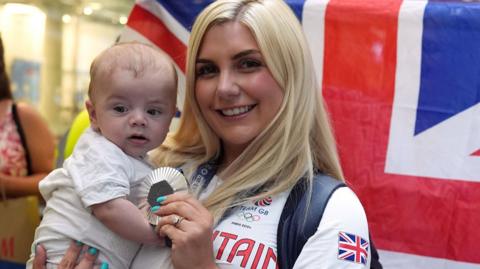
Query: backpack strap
21	133
299	219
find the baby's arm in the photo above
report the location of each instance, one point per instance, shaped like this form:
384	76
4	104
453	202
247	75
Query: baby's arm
124	218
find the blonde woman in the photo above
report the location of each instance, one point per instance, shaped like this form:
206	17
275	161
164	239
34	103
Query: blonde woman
253	128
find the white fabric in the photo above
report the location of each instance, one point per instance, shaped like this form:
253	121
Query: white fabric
247	238
97	171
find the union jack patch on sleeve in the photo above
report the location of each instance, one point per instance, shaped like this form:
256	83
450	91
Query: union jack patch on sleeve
352	248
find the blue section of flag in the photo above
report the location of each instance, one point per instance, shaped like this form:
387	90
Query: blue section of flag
185	11
450	71
297	7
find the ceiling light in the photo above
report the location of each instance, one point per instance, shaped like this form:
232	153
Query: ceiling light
16	8
66	18
87	11
123	19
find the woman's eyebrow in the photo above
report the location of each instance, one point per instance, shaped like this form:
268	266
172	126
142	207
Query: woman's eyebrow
245	53
202	61
236	56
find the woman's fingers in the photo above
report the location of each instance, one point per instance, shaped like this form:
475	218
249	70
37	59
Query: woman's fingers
71	255
177	236
40	258
183	205
173	220
88	259
69	261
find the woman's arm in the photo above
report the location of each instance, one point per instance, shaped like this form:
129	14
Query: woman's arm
125	219
41	146
343	217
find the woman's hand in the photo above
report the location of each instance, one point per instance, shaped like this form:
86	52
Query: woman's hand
70	259
189	225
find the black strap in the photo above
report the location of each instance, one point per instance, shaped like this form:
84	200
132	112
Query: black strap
297	223
21	133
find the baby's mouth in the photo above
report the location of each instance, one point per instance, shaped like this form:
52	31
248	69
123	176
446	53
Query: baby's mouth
138	138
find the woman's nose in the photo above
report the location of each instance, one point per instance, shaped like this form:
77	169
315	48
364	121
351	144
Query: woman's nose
227	87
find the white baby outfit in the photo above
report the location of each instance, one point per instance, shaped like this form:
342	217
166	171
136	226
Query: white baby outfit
97	171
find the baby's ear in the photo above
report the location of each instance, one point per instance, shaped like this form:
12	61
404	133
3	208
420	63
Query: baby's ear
92	115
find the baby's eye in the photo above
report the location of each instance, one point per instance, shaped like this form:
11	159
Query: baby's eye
206	70
120	109
249	63
154	112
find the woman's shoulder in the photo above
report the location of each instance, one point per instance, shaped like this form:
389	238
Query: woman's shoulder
344	219
344	198
345	211
29	116
26	109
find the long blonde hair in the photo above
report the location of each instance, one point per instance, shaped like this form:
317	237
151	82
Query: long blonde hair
298	141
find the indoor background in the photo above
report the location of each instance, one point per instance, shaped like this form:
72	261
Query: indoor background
49	45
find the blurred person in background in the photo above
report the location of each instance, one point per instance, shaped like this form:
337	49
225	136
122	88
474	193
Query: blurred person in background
26	144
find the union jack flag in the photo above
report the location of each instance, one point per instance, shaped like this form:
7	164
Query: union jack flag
401	79
352	248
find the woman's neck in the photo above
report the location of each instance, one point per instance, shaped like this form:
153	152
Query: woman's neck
230	153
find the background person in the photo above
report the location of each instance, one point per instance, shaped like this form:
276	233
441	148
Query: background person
26	144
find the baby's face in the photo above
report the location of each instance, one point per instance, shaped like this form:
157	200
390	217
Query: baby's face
134	113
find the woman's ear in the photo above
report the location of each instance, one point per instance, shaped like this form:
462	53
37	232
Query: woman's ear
92	115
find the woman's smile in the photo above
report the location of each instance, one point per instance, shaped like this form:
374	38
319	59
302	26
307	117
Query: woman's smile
231	112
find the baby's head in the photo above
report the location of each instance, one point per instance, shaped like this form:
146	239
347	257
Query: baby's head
132	96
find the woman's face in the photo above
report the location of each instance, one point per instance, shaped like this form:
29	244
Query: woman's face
236	93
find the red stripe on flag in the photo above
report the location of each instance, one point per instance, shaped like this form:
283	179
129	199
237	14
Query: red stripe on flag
422	216
476	153
154	29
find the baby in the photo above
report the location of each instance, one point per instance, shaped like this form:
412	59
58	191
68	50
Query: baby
92	199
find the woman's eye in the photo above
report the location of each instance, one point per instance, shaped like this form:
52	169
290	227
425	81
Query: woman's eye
206	69
248	63
154	112
120	109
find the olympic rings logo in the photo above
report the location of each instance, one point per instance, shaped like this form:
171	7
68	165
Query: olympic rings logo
248	216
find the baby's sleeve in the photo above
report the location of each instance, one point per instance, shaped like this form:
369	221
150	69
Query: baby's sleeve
101	173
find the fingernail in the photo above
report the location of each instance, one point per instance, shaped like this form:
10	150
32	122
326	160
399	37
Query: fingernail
155	208
92	251
35	247
104	265
78	243
161	199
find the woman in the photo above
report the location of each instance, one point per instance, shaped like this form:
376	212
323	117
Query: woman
253	127
26	144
